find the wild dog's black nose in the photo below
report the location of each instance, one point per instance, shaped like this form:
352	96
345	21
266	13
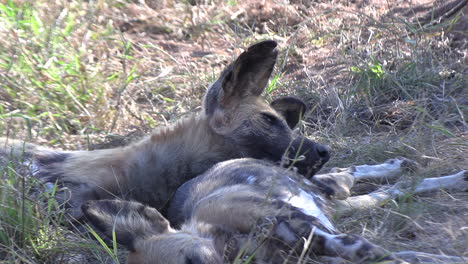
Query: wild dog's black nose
323	151
314	155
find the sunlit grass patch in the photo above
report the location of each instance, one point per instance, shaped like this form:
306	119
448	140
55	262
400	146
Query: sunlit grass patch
56	67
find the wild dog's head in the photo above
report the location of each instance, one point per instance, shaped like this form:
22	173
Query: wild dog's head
148	235
236	110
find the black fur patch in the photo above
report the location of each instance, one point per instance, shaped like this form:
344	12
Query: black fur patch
53	157
349	239
363	251
45	162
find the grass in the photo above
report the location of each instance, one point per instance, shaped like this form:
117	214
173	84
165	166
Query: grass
33	227
380	83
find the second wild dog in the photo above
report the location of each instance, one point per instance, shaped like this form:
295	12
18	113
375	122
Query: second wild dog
253	211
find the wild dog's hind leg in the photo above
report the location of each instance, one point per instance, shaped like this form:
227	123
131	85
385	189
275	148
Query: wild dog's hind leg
338	182
456	182
351	247
413	257
389	170
294	227
426	258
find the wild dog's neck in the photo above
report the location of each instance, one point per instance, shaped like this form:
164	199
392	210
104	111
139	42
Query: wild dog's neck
171	156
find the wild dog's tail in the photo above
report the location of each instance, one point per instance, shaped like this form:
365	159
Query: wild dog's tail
15	151
22	155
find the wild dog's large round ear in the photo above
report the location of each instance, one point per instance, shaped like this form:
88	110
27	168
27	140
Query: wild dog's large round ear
291	108
130	221
247	76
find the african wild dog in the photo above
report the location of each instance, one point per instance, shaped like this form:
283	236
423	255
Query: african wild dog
252	209
235	122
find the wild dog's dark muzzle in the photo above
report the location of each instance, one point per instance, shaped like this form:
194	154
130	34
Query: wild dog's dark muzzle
323	152
308	156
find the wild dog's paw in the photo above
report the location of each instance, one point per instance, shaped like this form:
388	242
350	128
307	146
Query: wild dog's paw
334	185
407	165
339	170
383	257
464	176
71	196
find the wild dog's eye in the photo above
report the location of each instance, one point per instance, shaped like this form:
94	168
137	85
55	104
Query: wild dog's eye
271	119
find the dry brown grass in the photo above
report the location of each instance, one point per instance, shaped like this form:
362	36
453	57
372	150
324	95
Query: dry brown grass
382	79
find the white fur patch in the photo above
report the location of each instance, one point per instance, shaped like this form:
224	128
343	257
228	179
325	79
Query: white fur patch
251	179
306	202
307	182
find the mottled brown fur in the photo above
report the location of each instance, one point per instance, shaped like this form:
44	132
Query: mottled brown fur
252	209
238	208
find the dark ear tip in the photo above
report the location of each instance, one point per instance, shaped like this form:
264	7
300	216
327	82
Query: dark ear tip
292	101
263	45
298	101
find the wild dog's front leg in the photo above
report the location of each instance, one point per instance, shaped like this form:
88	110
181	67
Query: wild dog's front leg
457	182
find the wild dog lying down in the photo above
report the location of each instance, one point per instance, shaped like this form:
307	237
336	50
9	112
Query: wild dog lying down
235	122
251	209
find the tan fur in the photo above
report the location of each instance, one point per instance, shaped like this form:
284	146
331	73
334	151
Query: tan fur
109	168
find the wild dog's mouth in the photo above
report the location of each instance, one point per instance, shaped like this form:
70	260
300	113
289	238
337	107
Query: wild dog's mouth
310	171
307	156
270	155
303	167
